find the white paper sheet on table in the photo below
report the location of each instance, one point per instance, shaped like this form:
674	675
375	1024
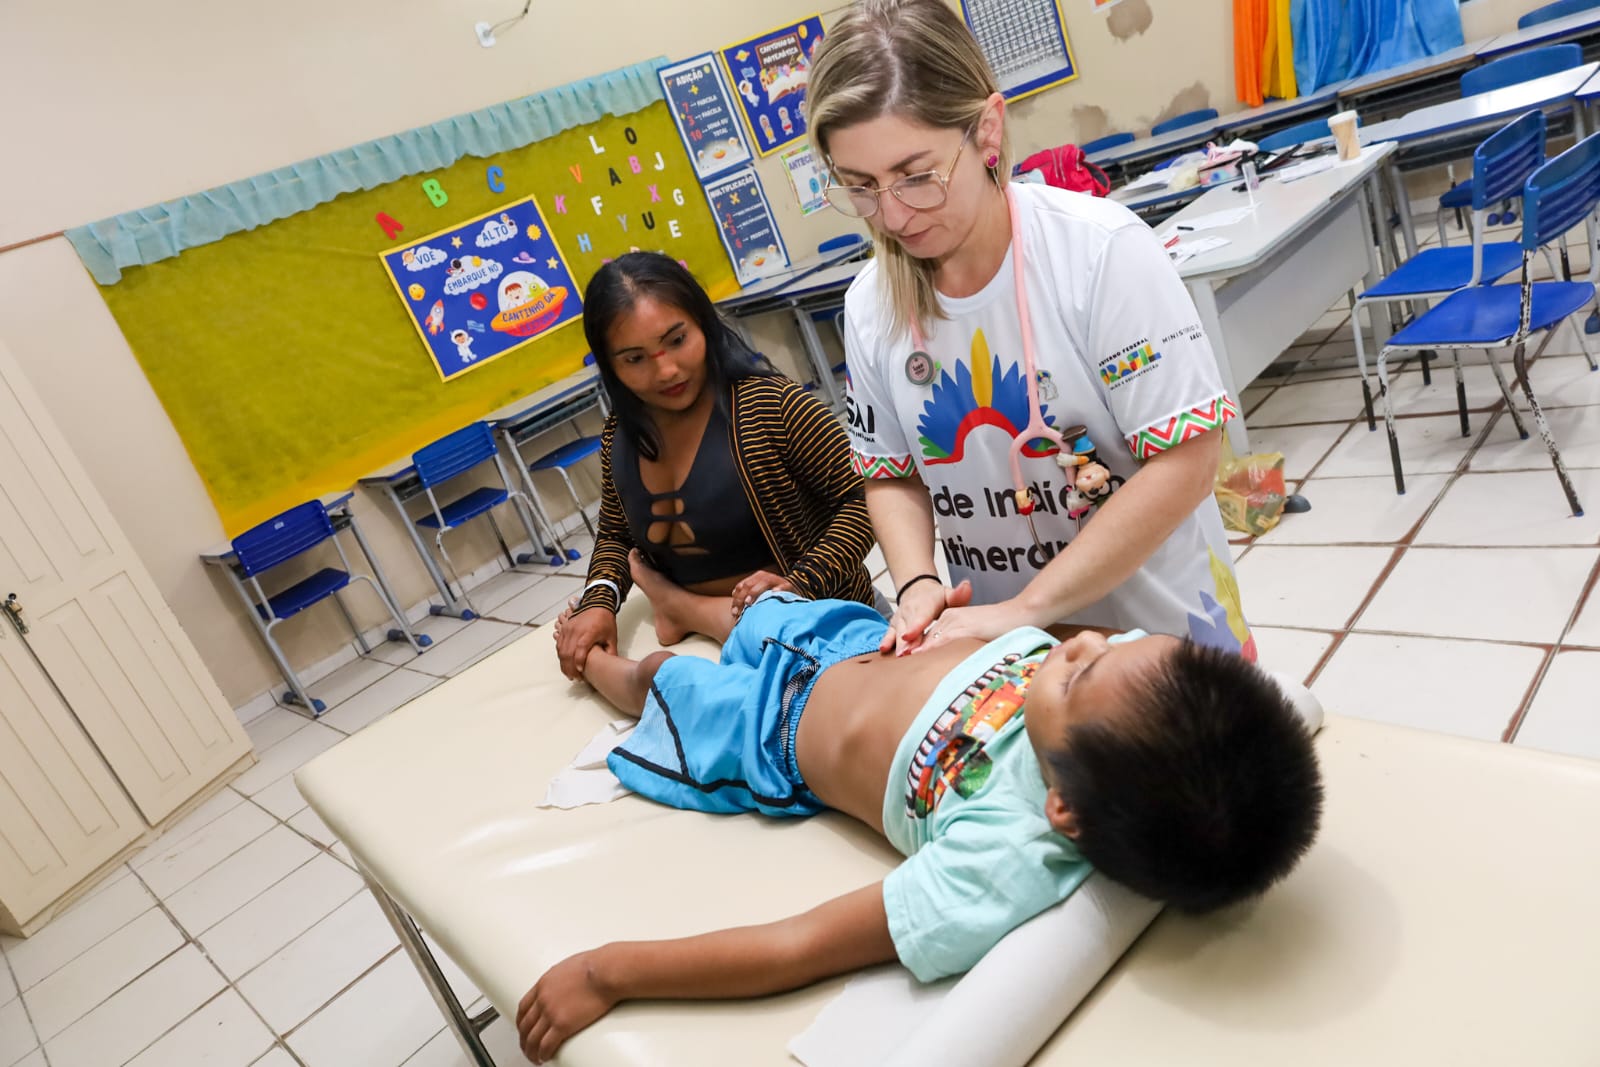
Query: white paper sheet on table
1187	250
1153	178
587	780
1213	221
1306	169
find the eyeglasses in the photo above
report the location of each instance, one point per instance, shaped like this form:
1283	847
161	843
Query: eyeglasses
920	192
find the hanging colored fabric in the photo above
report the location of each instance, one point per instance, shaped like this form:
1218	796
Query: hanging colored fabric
1339	39
1321	30
1277	61
1249	40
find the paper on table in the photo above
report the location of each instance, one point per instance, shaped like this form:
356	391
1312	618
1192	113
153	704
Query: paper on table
1307	169
1213	221
1154	177
587	780
1187	250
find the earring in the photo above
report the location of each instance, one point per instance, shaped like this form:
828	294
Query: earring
992	159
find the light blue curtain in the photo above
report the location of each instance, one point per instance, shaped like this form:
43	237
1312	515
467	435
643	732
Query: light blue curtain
1339	39
163	230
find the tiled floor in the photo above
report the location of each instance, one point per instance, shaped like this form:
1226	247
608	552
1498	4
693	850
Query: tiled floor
243	936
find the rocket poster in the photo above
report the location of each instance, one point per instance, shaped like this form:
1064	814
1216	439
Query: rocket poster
769	74
484	287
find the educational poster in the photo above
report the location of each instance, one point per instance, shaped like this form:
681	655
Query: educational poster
703	110
800	164
746	226
479	289
769	74
1025	42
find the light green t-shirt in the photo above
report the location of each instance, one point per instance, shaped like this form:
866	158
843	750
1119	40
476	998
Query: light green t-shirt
965	805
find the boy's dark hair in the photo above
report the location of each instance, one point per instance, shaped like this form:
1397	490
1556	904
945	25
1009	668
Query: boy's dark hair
1206	794
613	291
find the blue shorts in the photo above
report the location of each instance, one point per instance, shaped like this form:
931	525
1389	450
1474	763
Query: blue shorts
719	737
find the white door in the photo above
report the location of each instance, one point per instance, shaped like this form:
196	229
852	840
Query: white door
62	814
97	623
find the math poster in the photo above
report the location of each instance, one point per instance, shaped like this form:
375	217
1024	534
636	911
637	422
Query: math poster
769	75
484	287
745	223
703	110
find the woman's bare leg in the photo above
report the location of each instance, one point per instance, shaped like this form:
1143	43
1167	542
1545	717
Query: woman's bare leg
679	612
623	682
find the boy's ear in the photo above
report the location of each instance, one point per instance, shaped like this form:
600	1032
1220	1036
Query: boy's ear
1063	820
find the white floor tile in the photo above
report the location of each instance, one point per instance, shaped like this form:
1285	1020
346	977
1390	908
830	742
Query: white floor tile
8	984
1490	594
310	824
1586	631
36	1059
342	850
438	627
75	931
1308	586
1302	447
342	1034
167	869
875	563
139	1014
69	993
454	976
1411	397
273	725
448	657
1291	652
287	756
240	878
1521	508
1577	434
504	586
379	699
1561	717
1332	401
1357	510
278	916
1253	396
1562	381
1421	682
541	602
301	977
256	706
279	1058
442	1050
282	798
17	1038
1429	445
349	680
217	805
224	1033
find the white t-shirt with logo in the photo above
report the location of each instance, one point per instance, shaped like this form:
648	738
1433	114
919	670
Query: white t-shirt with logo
1119	350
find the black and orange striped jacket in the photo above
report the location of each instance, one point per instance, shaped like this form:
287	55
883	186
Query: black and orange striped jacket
793	459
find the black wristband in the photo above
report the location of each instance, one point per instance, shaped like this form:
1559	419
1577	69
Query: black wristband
919	578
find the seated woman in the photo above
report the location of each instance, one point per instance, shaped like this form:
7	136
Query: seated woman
720	479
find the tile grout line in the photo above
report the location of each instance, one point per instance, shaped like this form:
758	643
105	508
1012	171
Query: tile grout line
1514	727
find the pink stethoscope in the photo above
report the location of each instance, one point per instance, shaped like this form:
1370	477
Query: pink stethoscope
920	370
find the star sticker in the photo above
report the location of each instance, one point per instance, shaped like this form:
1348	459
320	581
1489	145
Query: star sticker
733	198
455	242
694	90
552	263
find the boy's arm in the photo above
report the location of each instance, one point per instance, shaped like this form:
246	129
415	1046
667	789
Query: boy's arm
845	934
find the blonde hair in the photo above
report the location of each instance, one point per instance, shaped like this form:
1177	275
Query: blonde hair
914	58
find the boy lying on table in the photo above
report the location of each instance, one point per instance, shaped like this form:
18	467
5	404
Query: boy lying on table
1181	771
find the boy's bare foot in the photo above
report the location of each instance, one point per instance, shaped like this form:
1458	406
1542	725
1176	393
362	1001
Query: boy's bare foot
667	599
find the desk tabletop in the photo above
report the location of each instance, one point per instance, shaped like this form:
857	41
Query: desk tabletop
1575	25
1482	108
838	276
1282	212
1278	109
1590	89
1153	196
221	554
1458	58
1185	136
776	284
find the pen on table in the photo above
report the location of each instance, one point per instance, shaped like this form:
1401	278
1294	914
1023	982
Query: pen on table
1189	229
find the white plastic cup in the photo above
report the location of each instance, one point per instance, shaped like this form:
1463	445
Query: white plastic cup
1345	134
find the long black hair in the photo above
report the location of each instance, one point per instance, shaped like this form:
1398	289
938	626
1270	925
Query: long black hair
613	292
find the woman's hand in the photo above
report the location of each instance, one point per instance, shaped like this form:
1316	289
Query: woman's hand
566	1000
985	622
577	634
745	593
923	603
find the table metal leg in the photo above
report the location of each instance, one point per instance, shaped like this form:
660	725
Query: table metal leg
817	354
1205	301
1402	207
452	605
386	591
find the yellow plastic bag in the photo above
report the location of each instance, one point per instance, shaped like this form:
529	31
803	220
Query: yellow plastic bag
1250	491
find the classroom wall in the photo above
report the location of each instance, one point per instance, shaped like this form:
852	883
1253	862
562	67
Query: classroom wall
147	102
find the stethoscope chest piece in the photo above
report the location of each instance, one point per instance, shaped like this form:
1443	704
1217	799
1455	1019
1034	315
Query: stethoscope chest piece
920	368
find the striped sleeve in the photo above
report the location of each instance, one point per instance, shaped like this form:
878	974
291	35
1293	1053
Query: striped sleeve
609	558
816	450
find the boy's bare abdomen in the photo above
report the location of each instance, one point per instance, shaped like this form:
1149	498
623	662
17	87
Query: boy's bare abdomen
855	717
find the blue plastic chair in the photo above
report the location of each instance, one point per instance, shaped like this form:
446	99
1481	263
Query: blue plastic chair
1501	165
443	460
278	540
1190	118
569	455
1557	10
1300	134
1557	197
1512	69
1114	140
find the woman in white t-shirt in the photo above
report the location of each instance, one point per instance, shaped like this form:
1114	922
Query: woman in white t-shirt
1123	531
